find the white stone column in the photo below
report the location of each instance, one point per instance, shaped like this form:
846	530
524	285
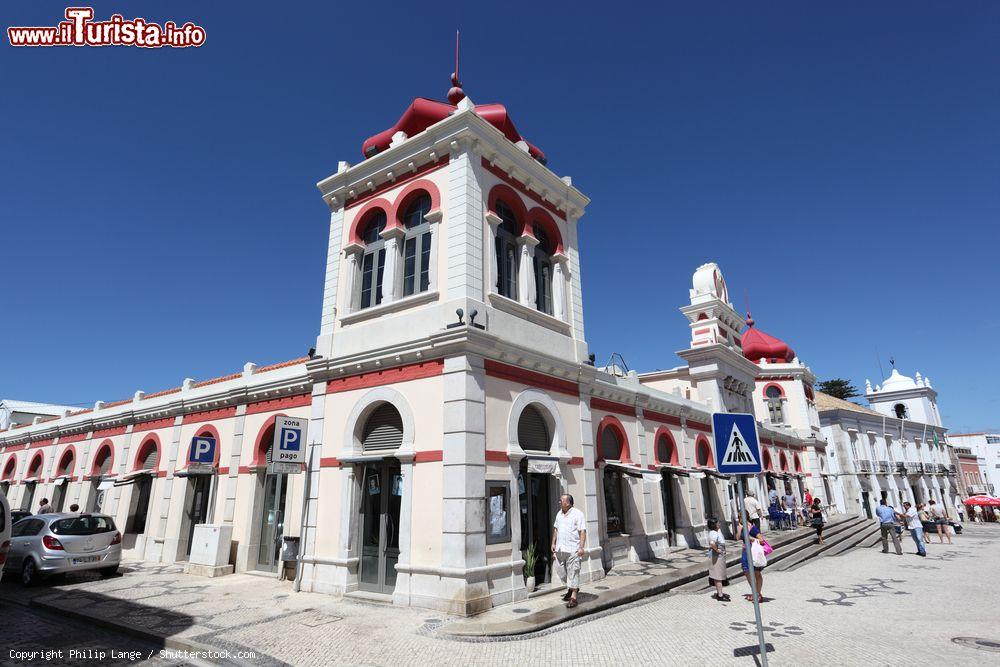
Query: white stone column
433	218
353	254
560	263
391	284
526	291
463	539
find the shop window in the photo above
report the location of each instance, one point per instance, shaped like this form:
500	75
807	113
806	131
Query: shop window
614	507
664	449
498	512
611	446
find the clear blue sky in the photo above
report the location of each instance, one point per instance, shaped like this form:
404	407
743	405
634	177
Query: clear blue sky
840	161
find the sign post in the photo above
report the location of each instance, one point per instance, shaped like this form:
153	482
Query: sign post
737	451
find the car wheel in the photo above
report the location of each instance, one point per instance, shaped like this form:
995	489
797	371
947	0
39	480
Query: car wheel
29	573
109	571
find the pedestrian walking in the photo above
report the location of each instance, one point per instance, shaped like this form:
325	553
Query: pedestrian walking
959	510
816	515
996	513
569	542
940	519
45	508
887	517
758	570
977	513
717	560
754	511
792	505
809	498
913	524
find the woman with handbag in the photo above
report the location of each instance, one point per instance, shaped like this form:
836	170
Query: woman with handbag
759	559
717	560
816	514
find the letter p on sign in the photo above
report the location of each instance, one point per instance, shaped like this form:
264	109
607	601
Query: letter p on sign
202	449
289	444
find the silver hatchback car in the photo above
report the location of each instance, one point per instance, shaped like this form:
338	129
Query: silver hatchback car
48	544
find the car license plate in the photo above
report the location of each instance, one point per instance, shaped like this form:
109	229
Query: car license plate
86	559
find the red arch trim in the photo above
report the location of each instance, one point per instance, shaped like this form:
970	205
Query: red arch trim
772	384
362	216
768	461
542	217
37	461
663	431
702	445
10	468
612	422
70	453
783	461
411	192
260	444
107	445
509	196
202	430
798	463
151	441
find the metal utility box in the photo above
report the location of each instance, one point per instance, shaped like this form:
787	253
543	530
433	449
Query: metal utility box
211	544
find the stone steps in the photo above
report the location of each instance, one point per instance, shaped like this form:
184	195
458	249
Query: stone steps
834	543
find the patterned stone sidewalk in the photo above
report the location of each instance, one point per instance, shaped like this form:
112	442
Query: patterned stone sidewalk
862	607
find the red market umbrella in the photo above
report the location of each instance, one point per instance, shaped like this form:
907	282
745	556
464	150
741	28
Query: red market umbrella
985	501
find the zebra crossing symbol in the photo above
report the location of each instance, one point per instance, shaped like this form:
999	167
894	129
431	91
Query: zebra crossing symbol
737	448
737	451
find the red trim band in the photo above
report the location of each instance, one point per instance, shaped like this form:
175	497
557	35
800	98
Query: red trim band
297	401
524	376
419	371
611	406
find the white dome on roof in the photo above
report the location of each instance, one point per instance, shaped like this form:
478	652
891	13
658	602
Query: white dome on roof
898	382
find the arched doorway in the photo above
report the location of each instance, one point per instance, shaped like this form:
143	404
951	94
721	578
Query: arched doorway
381	500
666	455
98	474
273	489
536	490
64	473
31	480
146	462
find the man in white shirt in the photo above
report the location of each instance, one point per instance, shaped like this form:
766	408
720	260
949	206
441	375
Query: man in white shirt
754	513
772	496
915	527
569	542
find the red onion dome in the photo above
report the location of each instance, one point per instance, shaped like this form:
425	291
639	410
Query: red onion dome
758	345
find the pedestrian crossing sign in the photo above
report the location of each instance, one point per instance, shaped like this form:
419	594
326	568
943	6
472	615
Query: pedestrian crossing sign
737	449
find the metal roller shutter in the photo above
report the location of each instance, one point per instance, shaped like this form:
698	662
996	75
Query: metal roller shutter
383	430
104	463
149	463
611	448
532	432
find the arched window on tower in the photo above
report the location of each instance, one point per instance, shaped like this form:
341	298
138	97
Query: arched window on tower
543	270
775	411
900	411
417	246
373	262
506	249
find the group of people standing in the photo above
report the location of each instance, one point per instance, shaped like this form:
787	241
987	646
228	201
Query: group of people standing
813	514
891	522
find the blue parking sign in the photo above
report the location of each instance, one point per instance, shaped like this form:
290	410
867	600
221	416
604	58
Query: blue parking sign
289	445
202	449
737	450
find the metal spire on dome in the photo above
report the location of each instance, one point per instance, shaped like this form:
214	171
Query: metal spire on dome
749	319
456	94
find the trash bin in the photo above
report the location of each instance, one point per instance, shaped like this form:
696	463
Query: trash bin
289	548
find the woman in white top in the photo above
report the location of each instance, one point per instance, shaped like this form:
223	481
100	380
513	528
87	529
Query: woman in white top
717	560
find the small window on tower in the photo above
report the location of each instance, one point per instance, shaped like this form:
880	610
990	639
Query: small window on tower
775	410
900	410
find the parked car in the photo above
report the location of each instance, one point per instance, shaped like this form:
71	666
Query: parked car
5	527
47	544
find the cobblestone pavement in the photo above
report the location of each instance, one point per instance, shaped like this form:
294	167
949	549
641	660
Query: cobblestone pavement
863	607
30	636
